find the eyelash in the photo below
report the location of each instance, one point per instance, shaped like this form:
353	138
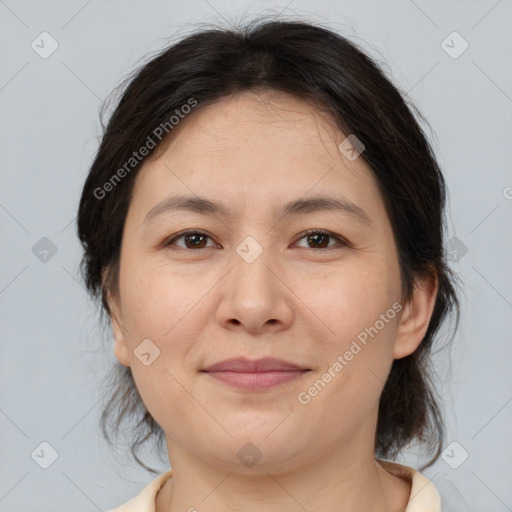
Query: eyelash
342	242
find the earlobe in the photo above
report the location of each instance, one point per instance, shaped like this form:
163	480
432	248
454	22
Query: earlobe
121	348
122	352
416	316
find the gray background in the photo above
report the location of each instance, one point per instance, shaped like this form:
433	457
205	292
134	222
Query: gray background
53	352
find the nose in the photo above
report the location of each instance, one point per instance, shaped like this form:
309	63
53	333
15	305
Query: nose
255	295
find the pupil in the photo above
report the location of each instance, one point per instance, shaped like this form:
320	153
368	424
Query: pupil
316	238
312	238
191	237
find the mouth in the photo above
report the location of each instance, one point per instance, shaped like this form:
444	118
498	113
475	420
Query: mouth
255	375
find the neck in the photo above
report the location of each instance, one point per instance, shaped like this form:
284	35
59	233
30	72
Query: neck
327	484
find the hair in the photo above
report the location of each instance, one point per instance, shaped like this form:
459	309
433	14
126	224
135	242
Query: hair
332	73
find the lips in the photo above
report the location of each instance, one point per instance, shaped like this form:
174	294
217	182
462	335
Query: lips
243	365
257	375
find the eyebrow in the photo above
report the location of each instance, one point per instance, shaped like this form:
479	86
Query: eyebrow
306	205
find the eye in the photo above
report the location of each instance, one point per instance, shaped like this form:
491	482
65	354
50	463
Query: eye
319	237
196	240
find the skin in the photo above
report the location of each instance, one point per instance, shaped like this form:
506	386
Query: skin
254	152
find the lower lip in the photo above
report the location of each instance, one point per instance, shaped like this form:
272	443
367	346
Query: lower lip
257	381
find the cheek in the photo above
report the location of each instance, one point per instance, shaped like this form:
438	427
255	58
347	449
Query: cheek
354	300
159	311
361	314
163	307
153	299
357	350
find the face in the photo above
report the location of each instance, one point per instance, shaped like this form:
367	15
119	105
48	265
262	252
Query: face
250	282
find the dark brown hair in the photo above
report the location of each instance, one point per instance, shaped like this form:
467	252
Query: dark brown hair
326	70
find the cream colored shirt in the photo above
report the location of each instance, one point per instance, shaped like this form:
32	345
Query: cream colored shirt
424	496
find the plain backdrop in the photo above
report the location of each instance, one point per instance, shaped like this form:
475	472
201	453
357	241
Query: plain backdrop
53	352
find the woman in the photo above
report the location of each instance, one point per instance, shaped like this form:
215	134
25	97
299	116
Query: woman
263	222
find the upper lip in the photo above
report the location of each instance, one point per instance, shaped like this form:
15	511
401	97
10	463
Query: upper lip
244	365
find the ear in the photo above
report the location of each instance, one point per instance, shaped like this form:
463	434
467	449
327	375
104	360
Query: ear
416	316
121	347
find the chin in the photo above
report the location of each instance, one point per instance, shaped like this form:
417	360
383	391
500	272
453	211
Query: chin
258	450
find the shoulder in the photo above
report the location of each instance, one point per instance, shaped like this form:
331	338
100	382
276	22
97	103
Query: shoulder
424	496
145	500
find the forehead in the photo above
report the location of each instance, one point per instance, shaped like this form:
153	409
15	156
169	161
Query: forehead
262	148
248	113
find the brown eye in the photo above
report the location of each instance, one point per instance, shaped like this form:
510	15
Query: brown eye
315	238
193	240
319	239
